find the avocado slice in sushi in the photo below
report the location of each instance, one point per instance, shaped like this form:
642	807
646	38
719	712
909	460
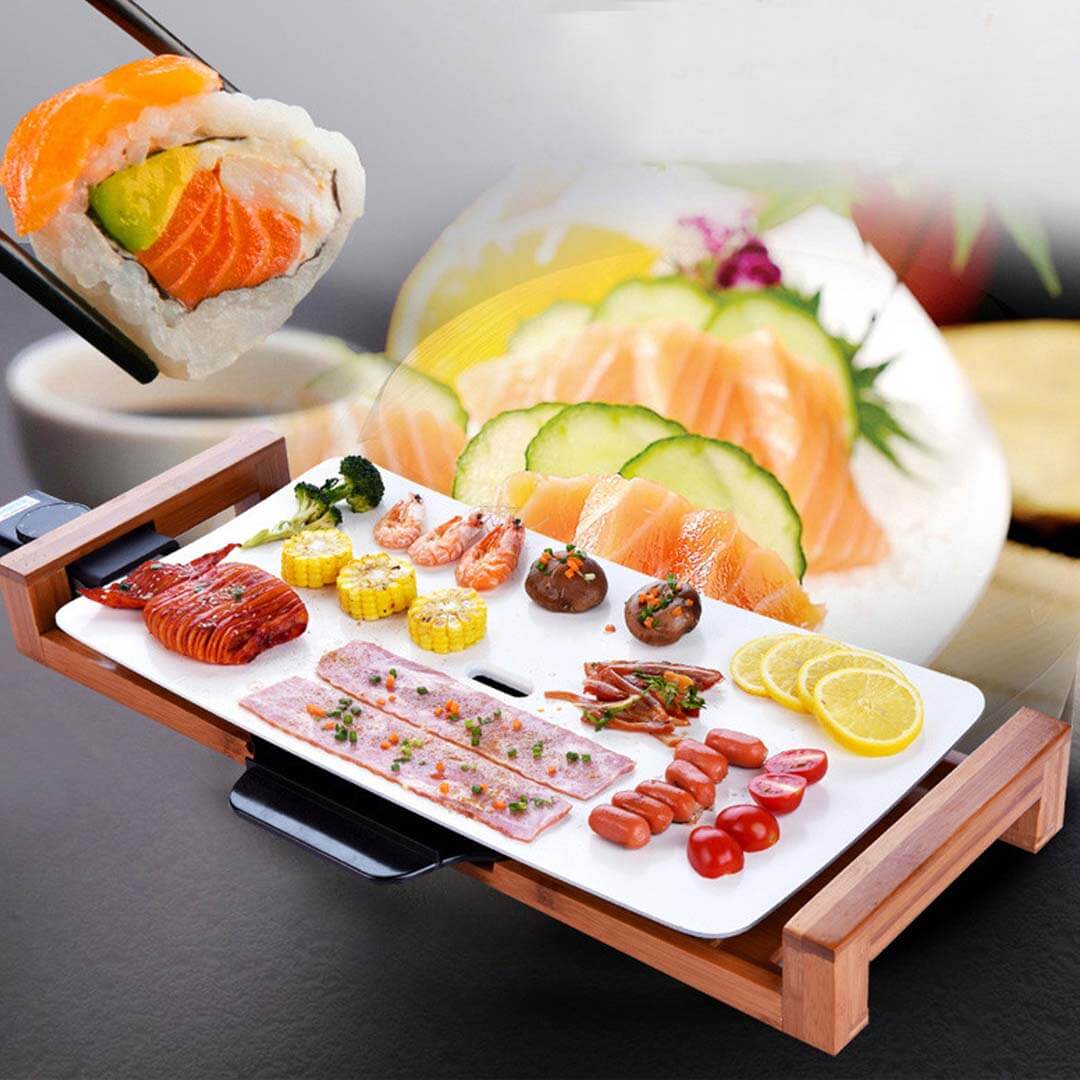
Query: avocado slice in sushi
135	204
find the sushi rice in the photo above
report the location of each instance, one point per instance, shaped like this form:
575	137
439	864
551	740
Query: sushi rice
267	154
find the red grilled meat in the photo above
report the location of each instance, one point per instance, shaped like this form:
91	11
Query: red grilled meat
220	614
152	577
226	616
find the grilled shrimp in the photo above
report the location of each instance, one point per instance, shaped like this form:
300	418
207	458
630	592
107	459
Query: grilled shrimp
491	561
448	541
401	524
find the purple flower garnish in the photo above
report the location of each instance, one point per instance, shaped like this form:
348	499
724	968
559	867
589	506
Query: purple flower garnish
735	256
749	265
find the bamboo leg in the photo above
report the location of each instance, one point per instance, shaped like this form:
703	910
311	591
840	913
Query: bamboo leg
826	992
1036	825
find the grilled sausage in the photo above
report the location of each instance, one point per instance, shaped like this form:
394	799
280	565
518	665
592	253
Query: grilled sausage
745	751
711	762
692	779
680	801
619	826
658	814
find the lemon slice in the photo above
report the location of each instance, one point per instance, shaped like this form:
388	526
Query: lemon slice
746	663
814	670
873	713
780	665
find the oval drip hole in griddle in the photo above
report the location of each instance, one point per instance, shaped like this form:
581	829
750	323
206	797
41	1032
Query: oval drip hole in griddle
502	680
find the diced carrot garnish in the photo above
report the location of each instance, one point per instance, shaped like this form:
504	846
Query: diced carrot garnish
452	707
438	710
515	724
392	697
393	738
314	710
444	787
390	681
649	622
329	727
498	804
609	628
439	766
551	770
384	745
380	701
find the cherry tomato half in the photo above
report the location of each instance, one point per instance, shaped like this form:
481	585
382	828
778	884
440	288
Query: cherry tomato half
713	852
754	827
811	765
779	792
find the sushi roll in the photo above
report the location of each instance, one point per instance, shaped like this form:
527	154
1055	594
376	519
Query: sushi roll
193	218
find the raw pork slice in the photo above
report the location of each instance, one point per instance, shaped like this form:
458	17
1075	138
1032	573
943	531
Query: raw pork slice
425	764
538	749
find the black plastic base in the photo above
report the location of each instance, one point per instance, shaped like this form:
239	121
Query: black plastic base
343	823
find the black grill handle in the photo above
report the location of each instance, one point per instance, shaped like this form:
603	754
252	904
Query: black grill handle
343	823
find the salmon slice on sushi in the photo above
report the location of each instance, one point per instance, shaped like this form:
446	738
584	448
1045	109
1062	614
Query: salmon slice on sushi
193	218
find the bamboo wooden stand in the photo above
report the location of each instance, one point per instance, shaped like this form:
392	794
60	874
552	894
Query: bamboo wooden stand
804	969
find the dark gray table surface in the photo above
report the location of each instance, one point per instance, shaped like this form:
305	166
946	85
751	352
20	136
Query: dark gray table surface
148	932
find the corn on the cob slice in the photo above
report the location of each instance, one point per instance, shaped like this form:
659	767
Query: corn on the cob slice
312	559
375	586
447	620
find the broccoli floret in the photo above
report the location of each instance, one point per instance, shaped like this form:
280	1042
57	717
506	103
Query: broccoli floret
313	511
360	484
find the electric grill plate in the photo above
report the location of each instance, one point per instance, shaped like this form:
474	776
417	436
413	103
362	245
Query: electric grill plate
535	650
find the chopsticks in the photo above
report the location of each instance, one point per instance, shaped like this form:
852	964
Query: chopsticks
19	265
139	24
35	279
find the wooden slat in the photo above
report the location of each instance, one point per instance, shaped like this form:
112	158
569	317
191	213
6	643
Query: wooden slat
697	962
252	462
34	578
897	876
829	943
90	668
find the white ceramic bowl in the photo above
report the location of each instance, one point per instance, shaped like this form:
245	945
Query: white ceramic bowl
88	431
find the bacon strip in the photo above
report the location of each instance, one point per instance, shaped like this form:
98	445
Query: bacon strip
459	779
538	749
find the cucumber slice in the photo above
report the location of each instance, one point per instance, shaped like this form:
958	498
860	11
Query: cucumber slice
717	475
791	318
497	450
644	300
552	326
595	438
415	390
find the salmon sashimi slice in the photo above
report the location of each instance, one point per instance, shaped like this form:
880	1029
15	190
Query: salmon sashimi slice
546	504
656	532
52	144
214	242
452	776
633	522
714	555
414	442
788	414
